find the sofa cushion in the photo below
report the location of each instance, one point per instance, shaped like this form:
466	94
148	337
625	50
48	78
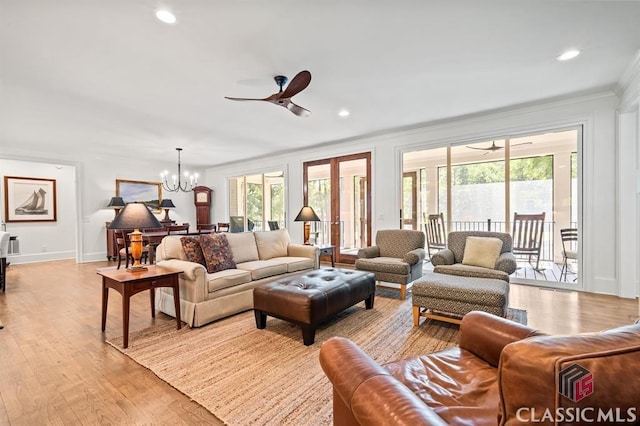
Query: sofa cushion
391	265
217	252
471	271
272	243
482	251
295	263
243	246
263	268
452	382
192	250
227	278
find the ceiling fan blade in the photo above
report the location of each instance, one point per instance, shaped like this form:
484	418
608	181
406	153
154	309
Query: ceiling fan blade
523	143
244	99
482	149
298	110
297	84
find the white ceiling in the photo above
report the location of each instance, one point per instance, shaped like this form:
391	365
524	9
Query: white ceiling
107	76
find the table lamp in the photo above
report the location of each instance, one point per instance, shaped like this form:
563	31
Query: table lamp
167	204
135	216
116	203
307	215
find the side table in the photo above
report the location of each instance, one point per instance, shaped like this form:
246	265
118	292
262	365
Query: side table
128	283
327	250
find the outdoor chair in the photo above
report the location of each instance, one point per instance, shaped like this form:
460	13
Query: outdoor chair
236	224
396	258
527	236
435	231
273	225
569	238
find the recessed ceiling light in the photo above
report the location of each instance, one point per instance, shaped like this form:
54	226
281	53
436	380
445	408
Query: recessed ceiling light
343	113
569	54
166	16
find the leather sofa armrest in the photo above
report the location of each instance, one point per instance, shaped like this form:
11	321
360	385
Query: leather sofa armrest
368	252
486	335
367	392
414	256
443	257
507	263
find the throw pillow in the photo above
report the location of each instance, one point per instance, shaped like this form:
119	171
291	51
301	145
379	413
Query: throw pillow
192	249
217	252
482	251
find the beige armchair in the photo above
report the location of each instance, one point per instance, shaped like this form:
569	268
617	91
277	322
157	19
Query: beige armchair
397	257
454	260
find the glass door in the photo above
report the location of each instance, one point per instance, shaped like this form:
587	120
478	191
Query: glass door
339	191
410	200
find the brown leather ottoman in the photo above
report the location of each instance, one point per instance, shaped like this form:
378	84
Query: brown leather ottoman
312	297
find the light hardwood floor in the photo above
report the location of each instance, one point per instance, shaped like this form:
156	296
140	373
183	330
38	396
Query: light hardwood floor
55	367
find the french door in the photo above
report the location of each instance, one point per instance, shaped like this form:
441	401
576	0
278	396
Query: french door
339	191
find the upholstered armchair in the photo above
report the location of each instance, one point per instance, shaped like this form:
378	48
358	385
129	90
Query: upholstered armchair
396	257
486	257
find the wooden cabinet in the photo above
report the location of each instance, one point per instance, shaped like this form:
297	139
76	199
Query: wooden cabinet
112	252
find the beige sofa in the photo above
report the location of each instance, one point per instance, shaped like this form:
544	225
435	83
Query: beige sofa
260	257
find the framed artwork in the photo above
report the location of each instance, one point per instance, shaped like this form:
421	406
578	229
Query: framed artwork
149	193
28	199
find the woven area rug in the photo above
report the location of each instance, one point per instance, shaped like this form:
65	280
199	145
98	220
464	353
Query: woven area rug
248	376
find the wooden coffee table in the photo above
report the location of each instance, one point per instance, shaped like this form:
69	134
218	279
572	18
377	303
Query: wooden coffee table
128	283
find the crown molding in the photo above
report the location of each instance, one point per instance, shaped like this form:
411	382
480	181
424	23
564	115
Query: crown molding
628	87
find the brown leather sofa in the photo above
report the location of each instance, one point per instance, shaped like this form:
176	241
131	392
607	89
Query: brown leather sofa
501	373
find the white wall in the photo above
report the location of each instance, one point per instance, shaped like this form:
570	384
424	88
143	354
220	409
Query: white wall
39	241
85	210
596	113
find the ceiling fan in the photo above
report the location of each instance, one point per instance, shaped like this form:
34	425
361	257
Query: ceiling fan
495	147
283	97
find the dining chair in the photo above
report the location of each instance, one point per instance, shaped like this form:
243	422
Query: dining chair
569	238
223	226
178	229
527	235
205	228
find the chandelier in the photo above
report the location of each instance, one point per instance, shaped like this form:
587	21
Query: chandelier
190	180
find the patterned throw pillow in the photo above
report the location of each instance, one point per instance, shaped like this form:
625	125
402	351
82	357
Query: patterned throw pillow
192	250
217	252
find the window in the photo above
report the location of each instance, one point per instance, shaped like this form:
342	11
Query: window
255	200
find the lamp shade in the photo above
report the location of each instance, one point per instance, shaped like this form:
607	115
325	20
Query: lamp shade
167	204
135	216
116	203
307	215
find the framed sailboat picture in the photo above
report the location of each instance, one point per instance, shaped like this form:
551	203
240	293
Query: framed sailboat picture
28	199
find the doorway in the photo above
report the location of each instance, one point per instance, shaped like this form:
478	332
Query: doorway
339	191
